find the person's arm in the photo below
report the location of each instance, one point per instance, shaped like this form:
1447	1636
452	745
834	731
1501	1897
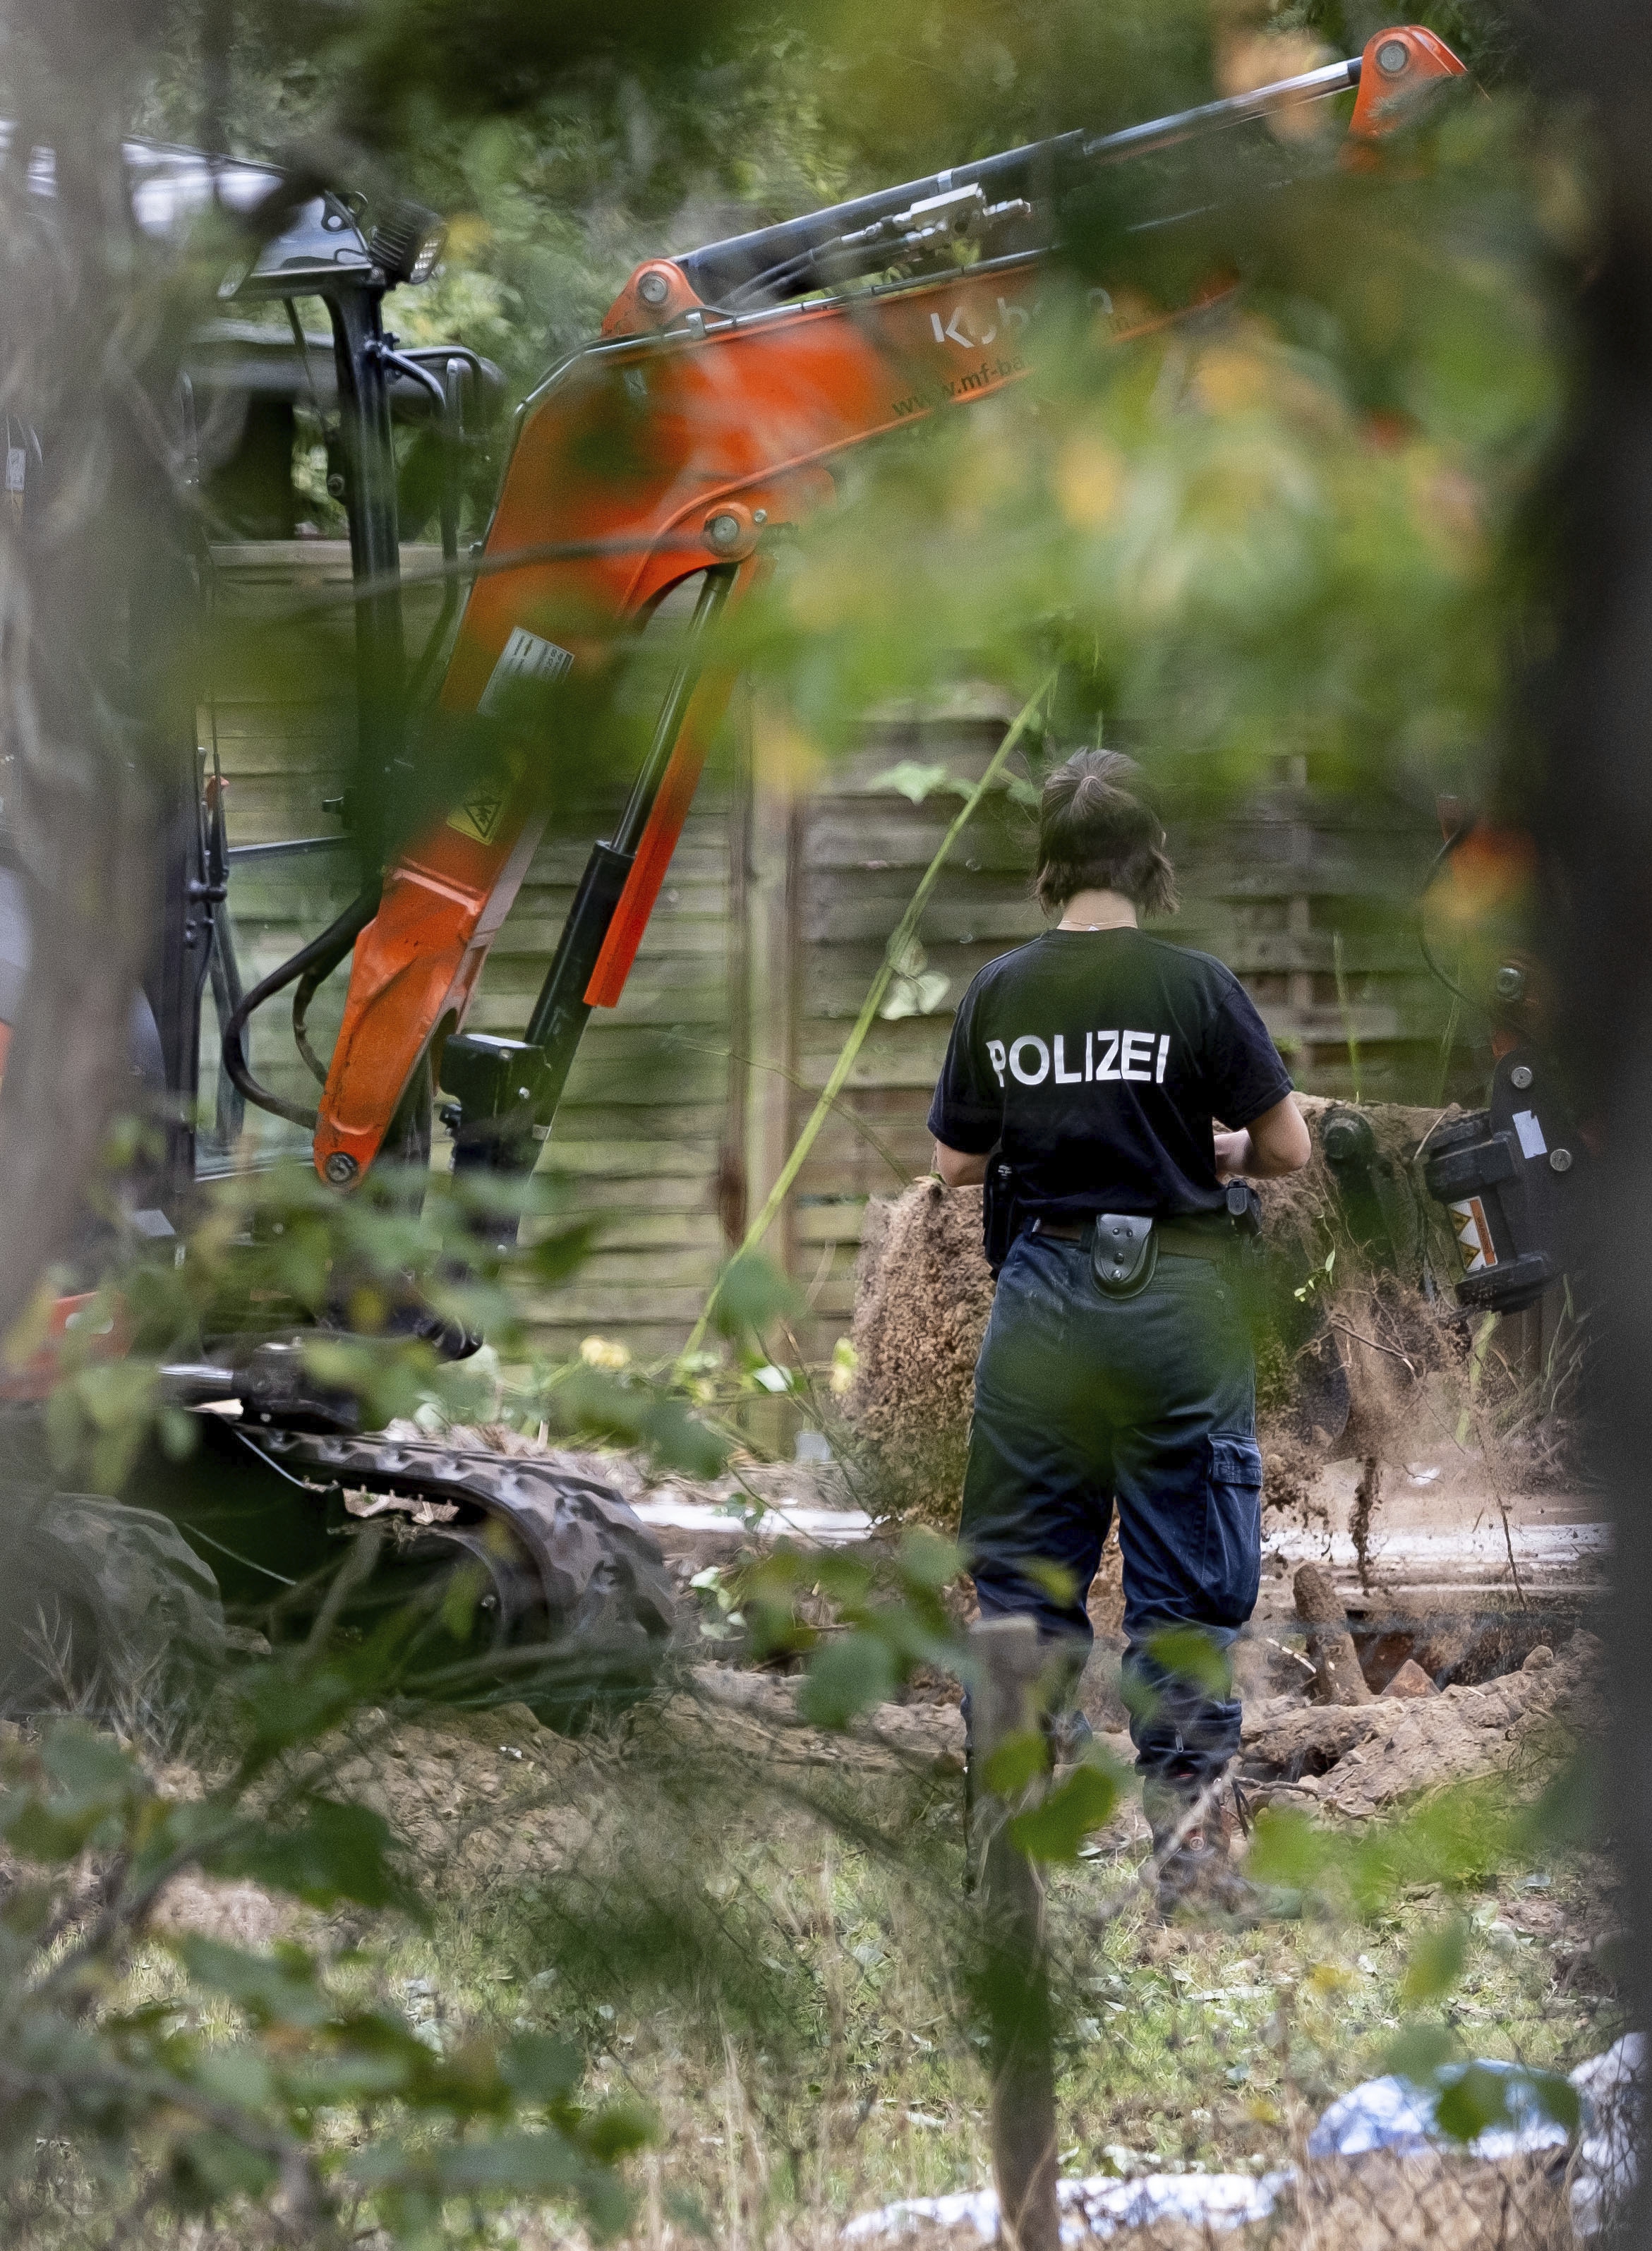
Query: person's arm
1269	1146
959	1169
968	1106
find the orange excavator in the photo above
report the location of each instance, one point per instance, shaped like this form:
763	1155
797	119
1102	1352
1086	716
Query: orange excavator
708	419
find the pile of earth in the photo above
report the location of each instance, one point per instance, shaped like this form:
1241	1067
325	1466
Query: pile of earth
1352	1340
1358	1759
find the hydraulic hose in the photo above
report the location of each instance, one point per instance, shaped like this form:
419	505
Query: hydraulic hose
328	949
1434	866
308	986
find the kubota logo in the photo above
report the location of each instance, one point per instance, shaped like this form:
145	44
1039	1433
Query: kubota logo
1013	319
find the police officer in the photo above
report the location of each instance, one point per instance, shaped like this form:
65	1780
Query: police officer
1084	1083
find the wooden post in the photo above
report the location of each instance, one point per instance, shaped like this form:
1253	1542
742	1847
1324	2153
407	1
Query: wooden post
1008	1665
768	1039
1329	1643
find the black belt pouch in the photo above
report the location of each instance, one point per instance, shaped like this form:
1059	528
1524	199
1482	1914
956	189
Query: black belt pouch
1123	1252
998	1216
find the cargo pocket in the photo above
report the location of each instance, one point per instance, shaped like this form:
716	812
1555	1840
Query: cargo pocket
1233	1561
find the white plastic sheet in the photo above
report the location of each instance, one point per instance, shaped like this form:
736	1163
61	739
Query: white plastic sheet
1603	2175
1382	2114
1092	2209
1397	2113
1393	2114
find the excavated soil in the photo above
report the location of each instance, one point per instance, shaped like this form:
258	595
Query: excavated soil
1358	1759
922	1296
481	1801
1352	1363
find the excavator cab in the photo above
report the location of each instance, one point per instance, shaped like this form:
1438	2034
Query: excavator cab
303	417
298	415
302	429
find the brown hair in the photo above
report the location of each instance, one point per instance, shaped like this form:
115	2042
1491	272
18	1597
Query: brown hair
1095	835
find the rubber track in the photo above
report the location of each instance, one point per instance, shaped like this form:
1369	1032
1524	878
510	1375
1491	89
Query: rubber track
601	1572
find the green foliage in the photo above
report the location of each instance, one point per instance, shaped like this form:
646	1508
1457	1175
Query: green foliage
220	2122
276	1257
561	154
1185	1652
1436	1963
1454	1837
847	1678
895	1611
1473	2098
335	1852
918	782
1420	2052
627	1410
752	1294
1018	1762
1072	1810
78	1790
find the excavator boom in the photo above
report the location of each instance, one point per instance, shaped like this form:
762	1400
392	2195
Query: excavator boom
707	417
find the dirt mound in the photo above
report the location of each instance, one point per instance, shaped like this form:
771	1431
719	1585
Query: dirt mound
756	1714
238	1913
923	1298
495	1797
1350	1357
1356	1760
490	1794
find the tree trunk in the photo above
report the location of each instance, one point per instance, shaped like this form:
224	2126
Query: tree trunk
1592	711
89	334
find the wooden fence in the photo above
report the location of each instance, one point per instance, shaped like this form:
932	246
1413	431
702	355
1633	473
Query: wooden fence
791	874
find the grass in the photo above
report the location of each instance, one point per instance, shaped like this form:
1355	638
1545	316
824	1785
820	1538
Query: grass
1195	2050
773	1958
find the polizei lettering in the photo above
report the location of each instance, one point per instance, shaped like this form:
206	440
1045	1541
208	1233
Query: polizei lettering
1111	1059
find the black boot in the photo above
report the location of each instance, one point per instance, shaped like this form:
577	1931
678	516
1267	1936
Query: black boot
1194	1871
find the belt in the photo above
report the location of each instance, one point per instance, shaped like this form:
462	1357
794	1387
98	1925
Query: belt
1174	1241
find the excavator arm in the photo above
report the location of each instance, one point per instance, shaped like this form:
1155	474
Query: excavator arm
705	418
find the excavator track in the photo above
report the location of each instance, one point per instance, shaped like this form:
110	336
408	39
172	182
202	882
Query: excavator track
570	1604
495	1578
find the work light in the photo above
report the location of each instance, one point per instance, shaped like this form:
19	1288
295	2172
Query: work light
406	245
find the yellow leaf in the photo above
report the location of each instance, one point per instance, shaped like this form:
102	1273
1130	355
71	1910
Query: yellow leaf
1089	482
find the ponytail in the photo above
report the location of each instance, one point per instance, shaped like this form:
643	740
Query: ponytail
1094	834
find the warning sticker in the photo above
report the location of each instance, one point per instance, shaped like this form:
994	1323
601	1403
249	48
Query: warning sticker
479	814
525	657
1474	1235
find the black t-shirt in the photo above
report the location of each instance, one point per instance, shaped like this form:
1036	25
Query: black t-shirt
1097	1061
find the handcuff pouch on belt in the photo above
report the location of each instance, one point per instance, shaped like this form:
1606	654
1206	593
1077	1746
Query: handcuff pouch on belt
1124	1250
